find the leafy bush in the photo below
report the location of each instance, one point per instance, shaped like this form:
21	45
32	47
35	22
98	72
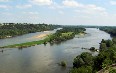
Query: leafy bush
63	63
112	71
83	69
83	60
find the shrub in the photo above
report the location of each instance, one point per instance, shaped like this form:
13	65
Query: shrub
63	63
112	71
83	69
84	59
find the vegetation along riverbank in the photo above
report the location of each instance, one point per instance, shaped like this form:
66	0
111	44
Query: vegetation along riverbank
104	62
61	35
8	30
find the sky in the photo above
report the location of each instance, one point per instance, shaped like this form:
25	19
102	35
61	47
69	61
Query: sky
62	12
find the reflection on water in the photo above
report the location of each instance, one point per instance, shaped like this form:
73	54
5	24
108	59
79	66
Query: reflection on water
44	58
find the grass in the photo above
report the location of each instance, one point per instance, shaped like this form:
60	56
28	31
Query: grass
67	34
27	44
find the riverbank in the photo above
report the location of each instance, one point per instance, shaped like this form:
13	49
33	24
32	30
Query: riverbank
39	36
60	35
45	59
109	69
27	44
52	38
10	30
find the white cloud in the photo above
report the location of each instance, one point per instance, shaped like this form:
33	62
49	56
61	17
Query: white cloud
42	2
61	12
31	13
91	12
24	6
71	3
83	8
4	6
113	2
4	0
94	7
56	6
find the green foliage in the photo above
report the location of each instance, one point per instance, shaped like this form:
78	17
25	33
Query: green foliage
105	58
74	29
103	46
103	41
112	71
53	38
110	30
13	29
109	43
106	63
63	63
114	40
83	69
92	48
83	60
65	34
25	45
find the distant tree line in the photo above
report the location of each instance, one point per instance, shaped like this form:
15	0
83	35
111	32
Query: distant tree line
110	30
74	29
16	29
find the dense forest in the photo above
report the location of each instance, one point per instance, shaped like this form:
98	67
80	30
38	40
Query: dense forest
16	29
104	61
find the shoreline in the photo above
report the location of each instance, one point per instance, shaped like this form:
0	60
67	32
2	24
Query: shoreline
42	41
38	36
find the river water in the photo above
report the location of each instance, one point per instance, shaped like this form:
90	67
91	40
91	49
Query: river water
45	58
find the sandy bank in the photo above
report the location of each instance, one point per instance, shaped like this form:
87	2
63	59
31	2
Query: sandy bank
39	36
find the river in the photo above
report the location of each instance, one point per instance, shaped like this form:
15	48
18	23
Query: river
44	58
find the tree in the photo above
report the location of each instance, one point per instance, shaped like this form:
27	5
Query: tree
83	69
112	71
109	43
103	41
106	63
85	59
92	48
103	46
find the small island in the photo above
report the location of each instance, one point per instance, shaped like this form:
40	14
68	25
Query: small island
63	34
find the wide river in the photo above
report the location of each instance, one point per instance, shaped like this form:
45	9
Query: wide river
45	58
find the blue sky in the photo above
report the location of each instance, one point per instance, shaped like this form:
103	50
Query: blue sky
63	12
